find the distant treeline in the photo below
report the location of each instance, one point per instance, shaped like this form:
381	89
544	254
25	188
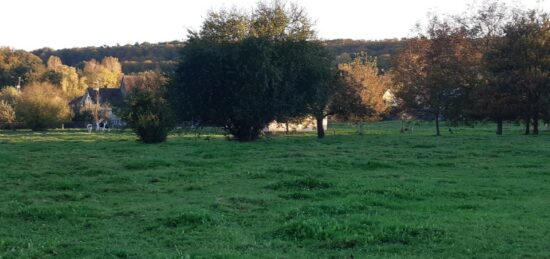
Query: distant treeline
382	49
163	56
134	58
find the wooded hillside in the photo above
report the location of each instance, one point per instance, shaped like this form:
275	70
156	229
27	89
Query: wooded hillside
163	56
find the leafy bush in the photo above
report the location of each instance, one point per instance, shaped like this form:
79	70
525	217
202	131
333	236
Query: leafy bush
42	106
9	95
148	114
7	114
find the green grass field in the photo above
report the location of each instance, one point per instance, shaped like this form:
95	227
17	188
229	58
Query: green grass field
383	194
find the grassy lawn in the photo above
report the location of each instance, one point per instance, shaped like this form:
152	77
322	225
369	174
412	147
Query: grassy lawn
384	194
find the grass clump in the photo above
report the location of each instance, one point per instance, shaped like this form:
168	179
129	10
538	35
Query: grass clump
190	219
147	164
315	228
308	183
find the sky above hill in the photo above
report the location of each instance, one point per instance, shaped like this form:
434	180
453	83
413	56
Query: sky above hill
33	24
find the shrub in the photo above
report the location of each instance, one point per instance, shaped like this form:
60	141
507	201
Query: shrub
9	95
148	114
7	114
42	106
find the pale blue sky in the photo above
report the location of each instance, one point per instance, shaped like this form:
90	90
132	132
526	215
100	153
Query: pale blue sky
32	24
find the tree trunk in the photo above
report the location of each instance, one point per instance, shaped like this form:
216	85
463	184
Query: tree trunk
287	131
527	127
361	129
499	126
535	124
437	132
320	128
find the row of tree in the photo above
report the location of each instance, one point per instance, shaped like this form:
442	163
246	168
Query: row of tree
243	70
37	94
492	64
137	57
164	56
21	67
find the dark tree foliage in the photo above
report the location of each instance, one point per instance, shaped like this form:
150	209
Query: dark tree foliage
520	62
243	70
52	77
227	84
494	97
244	85
304	90
451	73
148	113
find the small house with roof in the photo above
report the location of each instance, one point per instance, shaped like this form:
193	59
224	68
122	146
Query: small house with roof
100	101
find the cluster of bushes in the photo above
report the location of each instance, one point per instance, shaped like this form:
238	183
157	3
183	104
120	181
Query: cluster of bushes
38	107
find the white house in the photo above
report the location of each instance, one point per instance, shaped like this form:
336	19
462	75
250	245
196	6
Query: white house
309	124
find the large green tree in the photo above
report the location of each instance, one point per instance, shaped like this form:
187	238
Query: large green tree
227	84
304	90
243	70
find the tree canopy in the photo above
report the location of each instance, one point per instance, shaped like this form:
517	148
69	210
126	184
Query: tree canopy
104	74
242	71
15	64
276	20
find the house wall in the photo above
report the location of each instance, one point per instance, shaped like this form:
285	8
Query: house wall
308	125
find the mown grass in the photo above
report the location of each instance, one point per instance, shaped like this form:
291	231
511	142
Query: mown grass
383	194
